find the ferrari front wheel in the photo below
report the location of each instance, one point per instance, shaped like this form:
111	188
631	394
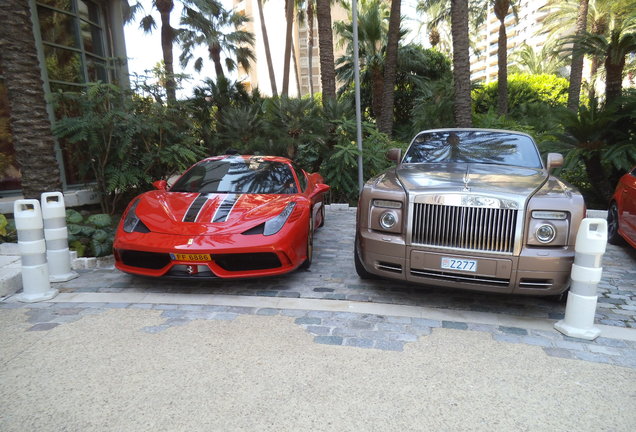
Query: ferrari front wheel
310	246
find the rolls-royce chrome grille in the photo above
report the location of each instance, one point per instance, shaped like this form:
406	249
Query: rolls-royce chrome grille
475	228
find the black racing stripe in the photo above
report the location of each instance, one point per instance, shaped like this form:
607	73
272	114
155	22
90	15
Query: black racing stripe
195	208
225	208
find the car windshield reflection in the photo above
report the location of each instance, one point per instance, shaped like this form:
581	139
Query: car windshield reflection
238	175
484	147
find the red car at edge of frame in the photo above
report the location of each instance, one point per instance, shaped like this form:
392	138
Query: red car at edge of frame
621	216
228	217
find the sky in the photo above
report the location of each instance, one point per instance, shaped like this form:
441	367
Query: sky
144	50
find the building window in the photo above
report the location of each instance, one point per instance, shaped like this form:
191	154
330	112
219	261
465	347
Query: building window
73	36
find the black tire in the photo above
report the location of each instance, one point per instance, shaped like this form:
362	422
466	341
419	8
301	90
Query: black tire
322	215
613	236
559	298
362	272
310	246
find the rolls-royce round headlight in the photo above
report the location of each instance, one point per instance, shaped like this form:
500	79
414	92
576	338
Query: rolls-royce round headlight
545	233
388	220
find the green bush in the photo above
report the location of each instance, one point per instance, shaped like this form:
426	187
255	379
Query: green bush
90	234
523	89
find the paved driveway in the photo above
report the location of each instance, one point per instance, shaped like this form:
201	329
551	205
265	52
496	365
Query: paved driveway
332	276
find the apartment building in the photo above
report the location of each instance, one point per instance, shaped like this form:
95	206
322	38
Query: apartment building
526	29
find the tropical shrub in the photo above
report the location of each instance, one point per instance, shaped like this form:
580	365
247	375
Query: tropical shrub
523	89
123	142
601	139
90	234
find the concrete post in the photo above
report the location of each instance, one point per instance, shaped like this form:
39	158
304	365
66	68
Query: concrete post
56	236
580	309
35	274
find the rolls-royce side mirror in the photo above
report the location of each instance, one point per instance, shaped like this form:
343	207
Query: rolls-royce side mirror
395	155
554	160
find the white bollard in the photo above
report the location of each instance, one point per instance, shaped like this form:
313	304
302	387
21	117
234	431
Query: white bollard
56	236
580	309
35	274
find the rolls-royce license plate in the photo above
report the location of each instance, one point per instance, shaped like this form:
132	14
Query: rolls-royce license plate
459	264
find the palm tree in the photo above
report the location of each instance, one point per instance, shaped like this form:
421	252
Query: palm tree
614	49
168	35
206	24
372	32
390	68
462	110
576	69
546	61
564	14
325	44
501	8
268	54
28	117
289	19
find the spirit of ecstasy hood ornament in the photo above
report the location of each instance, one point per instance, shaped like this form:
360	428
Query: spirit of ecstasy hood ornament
466	180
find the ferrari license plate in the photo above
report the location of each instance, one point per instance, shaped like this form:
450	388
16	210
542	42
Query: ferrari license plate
459	264
190	257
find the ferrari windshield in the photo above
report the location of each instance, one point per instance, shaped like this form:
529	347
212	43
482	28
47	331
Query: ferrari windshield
467	146
238	175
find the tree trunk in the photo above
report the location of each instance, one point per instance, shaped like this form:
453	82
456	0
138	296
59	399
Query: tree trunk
390	69
594	65
310	45
596	175
461	64
613	80
268	54
325	44
28	117
501	11
576	69
377	87
215	55
167	37
502	71
289	17
296	69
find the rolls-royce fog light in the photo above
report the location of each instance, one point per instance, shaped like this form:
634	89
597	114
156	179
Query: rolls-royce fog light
545	233
388	220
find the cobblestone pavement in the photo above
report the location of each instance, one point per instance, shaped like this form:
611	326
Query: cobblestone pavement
332	276
369	331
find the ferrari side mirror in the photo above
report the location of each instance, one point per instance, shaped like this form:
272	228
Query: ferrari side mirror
161	185
395	155
554	160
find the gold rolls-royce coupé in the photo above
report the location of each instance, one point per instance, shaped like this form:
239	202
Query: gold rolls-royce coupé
470	208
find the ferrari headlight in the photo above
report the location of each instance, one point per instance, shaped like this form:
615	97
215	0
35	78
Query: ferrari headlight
131	220
545	233
275	224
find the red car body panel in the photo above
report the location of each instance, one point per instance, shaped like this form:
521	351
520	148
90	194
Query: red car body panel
163	214
625	199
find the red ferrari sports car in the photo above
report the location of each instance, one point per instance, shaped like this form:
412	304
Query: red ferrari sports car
621	216
227	216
